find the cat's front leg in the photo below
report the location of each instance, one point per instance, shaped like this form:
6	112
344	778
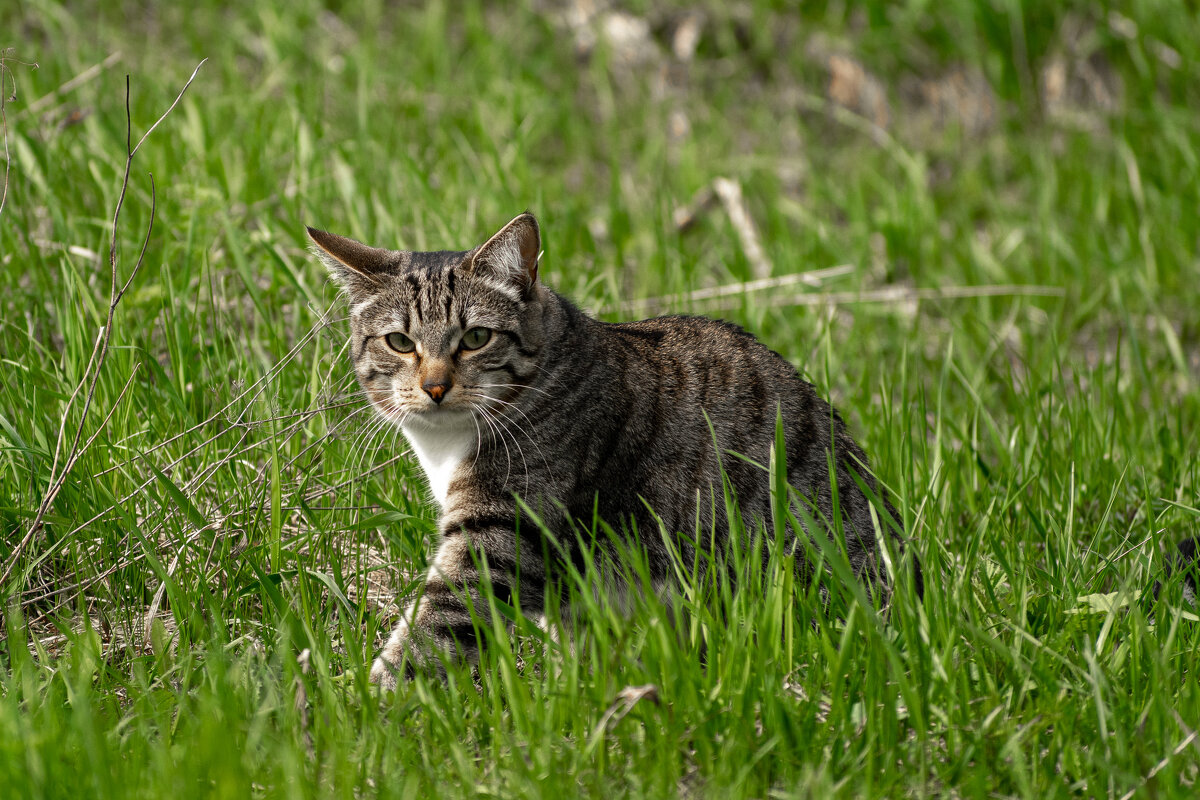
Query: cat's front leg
438	626
391	660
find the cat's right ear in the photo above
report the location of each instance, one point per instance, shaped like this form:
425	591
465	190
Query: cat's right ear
353	265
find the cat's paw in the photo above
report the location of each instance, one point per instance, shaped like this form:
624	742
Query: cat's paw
387	671
384	674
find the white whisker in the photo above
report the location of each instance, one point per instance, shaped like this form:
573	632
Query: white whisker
522	386
489	418
513	406
524	464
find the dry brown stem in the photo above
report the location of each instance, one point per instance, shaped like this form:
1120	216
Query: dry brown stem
729	194
812	278
91	374
7	77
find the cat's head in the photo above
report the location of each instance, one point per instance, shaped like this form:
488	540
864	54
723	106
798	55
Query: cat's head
438	336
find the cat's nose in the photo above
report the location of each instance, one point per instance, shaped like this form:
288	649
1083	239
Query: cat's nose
436	390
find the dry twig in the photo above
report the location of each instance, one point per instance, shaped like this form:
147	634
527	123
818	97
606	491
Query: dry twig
729	194
654	304
5	99
902	294
91	373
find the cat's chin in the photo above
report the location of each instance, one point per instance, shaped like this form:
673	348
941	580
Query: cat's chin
437	418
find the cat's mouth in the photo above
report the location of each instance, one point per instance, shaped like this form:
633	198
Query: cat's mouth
441	415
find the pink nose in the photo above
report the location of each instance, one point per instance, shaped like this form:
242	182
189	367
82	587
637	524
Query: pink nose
436	390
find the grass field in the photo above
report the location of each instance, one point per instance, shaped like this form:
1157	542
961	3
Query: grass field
1000	201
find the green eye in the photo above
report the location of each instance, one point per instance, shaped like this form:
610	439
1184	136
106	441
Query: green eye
400	343
476	338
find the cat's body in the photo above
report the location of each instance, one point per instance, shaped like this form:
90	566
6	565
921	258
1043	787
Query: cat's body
505	389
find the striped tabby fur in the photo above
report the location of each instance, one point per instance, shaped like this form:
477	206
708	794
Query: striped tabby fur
571	415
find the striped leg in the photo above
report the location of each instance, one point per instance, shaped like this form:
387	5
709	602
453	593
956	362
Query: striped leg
438	626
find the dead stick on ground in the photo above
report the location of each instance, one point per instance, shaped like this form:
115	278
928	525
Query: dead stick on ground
4	97
895	295
812	278
729	194
91	375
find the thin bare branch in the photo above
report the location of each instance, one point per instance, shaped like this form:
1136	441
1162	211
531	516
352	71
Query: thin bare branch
811	278
901	295
116	404
264	381
238	450
4	71
91	376
5	97
145	242
729	193
178	97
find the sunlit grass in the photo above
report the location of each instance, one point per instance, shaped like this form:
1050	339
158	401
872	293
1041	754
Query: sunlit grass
200	609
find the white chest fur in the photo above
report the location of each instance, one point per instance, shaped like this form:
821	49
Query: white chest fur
441	449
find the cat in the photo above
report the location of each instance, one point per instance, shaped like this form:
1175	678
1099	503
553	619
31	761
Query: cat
506	389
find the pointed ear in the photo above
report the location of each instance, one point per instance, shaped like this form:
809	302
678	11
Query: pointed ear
511	256
353	265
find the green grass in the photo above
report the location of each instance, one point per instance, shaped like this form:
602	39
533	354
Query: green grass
236	512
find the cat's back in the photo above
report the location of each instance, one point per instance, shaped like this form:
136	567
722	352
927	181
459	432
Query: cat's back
687	379
713	363
689	332
656	411
702	397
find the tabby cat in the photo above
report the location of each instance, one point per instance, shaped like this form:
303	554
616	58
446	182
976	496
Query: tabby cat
505	389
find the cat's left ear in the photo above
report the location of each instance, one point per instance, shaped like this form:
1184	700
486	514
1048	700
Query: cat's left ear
511	256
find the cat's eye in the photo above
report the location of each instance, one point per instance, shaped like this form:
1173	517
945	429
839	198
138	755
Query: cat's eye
476	338
400	343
